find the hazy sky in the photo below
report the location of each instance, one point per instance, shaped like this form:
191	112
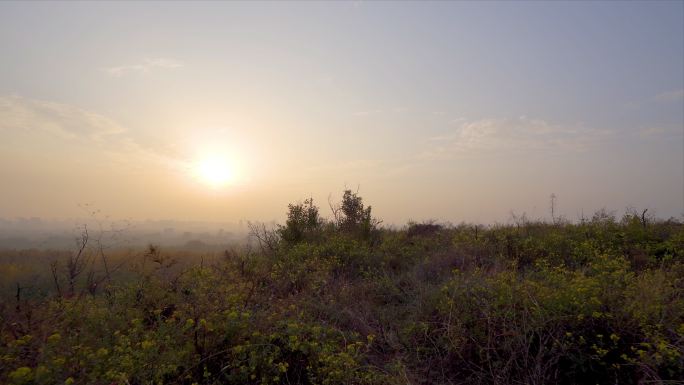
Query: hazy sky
453	111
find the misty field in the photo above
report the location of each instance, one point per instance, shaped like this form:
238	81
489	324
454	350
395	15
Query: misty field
347	301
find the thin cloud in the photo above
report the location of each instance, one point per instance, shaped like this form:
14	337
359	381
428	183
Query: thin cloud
652	131
376	168
145	66
513	134
63	120
670	96
367	113
659	132
73	124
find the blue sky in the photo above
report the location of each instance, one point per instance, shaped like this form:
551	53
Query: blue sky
446	110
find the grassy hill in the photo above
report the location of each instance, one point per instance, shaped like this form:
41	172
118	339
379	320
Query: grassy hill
346	301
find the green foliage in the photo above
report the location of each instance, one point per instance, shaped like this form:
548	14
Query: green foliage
303	223
346	302
353	218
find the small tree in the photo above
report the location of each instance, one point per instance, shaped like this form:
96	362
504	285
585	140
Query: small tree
352	217
303	223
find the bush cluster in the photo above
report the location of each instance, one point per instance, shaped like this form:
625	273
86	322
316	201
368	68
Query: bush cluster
343	301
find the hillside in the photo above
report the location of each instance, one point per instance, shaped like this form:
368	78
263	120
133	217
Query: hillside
346	301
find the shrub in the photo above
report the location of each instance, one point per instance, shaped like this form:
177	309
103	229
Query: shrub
303	223
353	218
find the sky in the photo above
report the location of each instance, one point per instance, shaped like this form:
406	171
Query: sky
452	111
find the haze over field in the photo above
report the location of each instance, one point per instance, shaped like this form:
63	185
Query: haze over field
335	193
451	111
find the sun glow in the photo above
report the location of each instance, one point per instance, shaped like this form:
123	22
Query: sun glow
215	171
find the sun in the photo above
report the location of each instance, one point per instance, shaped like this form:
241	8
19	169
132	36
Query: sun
215	171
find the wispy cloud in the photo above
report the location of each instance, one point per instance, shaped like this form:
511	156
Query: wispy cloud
367	112
520	134
357	169
145	66
660	132
66	121
670	96
652	131
71	124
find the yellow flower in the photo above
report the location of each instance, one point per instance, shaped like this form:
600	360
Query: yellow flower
102	352
54	338
21	375
59	361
